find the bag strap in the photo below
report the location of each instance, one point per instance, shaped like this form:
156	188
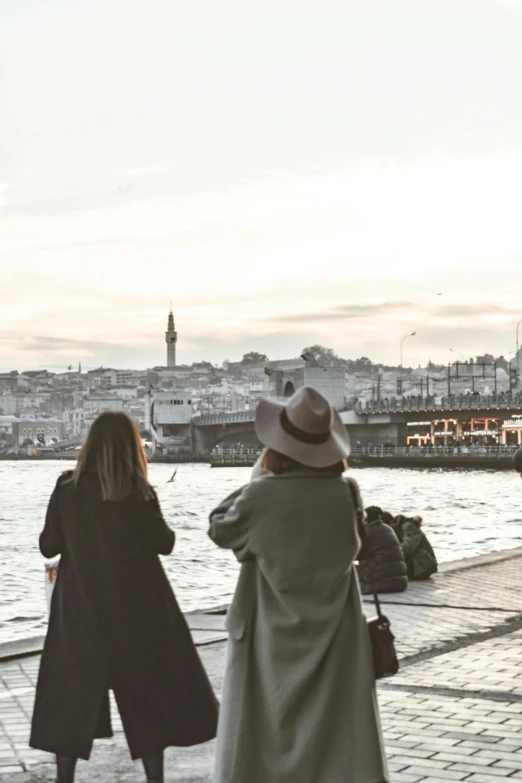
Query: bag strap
359	515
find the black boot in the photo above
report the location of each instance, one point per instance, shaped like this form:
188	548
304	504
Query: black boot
65	767
154	768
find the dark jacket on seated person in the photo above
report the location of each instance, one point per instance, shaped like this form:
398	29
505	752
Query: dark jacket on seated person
420	558
381	556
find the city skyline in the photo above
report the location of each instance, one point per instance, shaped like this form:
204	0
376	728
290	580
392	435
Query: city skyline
314	176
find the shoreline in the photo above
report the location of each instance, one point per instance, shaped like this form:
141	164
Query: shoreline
33	645
67	457
387	463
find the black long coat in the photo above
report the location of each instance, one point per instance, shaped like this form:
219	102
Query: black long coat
115	624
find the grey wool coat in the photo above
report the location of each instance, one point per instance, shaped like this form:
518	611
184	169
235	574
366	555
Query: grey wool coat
299	703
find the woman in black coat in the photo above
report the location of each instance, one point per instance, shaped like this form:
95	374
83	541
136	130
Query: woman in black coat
381	558
115	623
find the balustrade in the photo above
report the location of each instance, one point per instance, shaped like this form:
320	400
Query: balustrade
452	402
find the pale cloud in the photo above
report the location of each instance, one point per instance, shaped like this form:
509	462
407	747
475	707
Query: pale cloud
304	251
316	174
4	188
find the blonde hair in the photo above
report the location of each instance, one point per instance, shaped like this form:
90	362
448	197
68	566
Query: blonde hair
113	450
275	462
418	520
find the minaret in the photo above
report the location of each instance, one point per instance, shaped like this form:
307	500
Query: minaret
171	338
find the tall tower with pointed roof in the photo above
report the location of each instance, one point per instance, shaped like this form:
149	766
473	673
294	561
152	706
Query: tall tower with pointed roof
171	338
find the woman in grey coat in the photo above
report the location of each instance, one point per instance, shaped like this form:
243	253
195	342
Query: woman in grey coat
299	703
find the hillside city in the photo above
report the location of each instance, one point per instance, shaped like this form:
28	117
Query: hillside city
43	407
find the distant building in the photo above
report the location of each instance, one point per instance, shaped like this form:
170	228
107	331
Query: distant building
98	403
118	378
329	381
171	338
6	426
74	421
37	431
168	407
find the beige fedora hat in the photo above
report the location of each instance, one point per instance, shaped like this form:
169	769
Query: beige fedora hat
304	427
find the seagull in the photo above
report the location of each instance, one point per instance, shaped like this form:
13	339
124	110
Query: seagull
172	477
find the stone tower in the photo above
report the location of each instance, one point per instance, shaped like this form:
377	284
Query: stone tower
171	338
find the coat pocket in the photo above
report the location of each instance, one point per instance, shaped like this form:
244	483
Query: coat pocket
235	624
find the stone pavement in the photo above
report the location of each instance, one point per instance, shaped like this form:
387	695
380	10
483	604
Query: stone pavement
454	711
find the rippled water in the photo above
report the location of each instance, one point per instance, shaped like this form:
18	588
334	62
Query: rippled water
466	513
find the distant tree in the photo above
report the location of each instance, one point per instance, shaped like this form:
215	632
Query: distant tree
253	357
361	365
322	355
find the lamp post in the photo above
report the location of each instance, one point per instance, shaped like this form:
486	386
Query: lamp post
518	357
403	339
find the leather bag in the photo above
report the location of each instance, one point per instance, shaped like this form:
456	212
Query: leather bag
385	662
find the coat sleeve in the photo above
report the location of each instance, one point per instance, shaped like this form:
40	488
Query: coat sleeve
230	523
159	537
52	539
410	538
359	517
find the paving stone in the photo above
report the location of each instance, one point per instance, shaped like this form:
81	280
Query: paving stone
455	716
428	774
478	769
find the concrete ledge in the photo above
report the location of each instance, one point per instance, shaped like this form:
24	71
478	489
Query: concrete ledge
208	625
21	648
206	628
479	560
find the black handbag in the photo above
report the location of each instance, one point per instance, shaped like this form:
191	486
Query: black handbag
385	662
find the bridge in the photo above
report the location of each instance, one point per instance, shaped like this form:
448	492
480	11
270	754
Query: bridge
224	418
453	405
382	420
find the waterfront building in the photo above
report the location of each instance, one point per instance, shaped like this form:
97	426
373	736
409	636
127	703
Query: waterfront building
6	427
37	431
75	421
329	381
512	431
168	417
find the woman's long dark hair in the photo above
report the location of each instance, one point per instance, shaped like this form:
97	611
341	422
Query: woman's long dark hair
113	449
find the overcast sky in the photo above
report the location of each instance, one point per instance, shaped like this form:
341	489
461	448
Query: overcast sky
294	172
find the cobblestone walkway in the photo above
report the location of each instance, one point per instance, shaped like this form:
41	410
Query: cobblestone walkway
454	711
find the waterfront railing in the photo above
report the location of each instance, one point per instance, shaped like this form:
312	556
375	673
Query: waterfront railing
430	451
453	402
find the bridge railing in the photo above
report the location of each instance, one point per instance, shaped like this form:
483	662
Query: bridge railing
224	418
238	452
461	402
429	451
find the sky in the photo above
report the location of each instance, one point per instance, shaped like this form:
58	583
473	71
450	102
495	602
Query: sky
289	173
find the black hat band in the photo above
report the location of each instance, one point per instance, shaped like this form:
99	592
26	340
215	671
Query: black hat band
311	438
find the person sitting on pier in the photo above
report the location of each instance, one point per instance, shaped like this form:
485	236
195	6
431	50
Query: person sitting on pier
421	561
381	561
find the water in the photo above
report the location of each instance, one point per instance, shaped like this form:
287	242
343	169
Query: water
465	513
